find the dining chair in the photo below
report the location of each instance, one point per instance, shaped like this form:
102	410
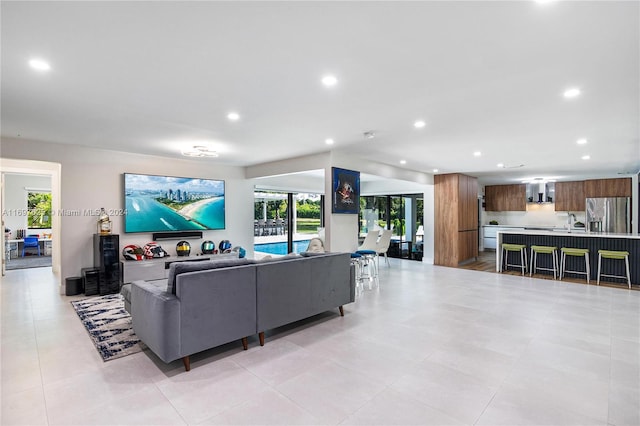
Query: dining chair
382	246
30	242
370	241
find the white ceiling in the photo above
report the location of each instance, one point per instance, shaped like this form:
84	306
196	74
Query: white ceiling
149	77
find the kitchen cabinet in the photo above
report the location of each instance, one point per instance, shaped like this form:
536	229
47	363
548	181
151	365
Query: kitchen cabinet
456	219
468	197
500	198
620	187
570	196
468	244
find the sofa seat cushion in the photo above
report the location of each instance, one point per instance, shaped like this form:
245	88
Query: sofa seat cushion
178	268
125	290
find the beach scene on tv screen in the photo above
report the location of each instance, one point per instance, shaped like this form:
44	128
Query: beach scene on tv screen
164	203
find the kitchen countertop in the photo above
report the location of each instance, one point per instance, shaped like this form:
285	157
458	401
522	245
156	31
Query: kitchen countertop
538	227
572	233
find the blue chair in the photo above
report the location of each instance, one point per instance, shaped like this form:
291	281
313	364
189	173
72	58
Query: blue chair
30	242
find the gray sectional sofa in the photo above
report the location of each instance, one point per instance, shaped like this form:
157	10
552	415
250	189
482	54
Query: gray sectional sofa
206	304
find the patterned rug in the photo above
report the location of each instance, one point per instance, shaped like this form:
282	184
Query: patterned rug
108	325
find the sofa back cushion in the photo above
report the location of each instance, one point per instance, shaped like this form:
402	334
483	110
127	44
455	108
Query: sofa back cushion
177	268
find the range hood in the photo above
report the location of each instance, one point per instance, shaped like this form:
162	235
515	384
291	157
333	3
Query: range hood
541	192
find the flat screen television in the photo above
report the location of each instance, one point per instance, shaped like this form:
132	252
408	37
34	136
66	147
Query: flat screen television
168	203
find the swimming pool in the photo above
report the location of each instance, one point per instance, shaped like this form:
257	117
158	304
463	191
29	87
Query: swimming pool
281	247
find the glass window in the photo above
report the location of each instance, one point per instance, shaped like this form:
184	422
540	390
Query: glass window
39	210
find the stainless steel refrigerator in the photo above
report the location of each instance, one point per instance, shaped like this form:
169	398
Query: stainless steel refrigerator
611	214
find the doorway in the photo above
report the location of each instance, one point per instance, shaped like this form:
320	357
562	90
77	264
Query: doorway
18	178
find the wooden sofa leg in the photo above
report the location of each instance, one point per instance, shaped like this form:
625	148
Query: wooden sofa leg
261	337
187	363
341	310
245	343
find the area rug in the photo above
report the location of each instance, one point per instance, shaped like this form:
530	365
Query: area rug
108	325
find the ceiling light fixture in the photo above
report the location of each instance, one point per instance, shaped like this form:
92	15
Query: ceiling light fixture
233	116
571	93
581	141
199	151
403	161
329	80
329	141
501	165
586	157
369	134
39	64
419	124
477	154
435	170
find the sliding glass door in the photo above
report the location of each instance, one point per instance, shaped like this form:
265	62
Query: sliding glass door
403	214
284	222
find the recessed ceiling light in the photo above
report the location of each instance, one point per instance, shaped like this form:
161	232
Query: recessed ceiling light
586	157
39	64
329	141
419	124
571	93
329	80
435	170
581	141
233	116
477	154
501	165
403	161
544	1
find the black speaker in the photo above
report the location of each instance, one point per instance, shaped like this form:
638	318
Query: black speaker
176	235
72	286
91	281
106	253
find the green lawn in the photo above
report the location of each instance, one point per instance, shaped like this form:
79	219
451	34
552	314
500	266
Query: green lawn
307	226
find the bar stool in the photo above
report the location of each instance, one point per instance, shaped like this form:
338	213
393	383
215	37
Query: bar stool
578	252
553	251
368	268
356	261
506	248
616	255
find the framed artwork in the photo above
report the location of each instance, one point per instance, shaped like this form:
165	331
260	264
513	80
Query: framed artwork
346	191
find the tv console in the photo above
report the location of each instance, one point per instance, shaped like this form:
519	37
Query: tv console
154	269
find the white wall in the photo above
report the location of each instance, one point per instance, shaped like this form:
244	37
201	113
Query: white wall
92	178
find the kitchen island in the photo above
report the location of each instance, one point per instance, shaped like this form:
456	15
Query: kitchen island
591	241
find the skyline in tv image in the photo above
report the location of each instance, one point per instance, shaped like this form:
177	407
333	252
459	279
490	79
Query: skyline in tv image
168	203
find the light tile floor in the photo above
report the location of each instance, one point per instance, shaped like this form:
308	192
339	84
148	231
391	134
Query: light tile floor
432	345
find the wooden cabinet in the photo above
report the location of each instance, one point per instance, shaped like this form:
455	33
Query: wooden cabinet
570	196
620	187
468	244
500	198
456	219
468	196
